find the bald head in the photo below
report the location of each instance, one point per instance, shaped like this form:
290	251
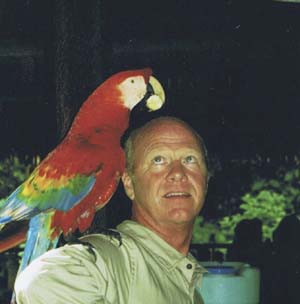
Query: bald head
155	126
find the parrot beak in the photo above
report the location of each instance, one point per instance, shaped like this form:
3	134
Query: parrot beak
155	97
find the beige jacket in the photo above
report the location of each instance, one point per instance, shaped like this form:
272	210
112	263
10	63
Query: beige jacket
144	269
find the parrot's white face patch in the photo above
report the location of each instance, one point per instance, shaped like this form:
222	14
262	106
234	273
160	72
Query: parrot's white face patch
133	89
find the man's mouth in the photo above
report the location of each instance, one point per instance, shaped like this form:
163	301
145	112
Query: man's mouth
177	194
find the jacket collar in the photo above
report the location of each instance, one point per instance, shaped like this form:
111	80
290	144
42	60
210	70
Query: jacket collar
166	255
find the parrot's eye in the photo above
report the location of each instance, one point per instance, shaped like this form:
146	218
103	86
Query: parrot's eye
132	80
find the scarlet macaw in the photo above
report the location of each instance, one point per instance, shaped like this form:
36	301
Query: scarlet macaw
81	174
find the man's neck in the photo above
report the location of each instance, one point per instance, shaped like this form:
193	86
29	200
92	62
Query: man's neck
177	235
179	239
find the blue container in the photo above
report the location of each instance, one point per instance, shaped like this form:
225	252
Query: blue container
230	283
221	269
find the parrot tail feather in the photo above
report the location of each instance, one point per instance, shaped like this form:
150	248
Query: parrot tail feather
39	238
14	240
4	220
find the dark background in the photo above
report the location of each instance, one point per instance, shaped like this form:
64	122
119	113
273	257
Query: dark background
230	68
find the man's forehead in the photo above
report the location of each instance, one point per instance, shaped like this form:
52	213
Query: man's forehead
163	130
167	130
173	148
167	137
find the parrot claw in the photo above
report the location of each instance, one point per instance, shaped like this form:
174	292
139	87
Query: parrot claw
112	233
72	239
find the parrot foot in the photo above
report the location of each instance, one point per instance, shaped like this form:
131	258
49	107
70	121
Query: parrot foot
72	239
112	233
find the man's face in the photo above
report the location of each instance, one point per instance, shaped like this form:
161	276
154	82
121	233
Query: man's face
169	179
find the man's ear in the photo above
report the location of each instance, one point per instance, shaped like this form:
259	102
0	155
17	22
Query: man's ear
128	186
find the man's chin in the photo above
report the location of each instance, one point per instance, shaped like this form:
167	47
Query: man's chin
181	216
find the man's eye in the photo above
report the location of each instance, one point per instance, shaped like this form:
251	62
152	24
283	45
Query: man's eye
190	159
158	160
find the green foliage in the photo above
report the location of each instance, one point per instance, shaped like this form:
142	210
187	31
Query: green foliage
13	171
204	232
268	200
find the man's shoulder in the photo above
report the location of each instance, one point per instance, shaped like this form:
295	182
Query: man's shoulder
108	236
114	250
109	241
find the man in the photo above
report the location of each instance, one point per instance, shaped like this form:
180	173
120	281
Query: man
166	178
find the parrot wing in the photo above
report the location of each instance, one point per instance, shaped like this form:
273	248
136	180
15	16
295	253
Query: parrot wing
41	193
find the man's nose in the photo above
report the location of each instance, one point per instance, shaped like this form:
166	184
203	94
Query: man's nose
177	171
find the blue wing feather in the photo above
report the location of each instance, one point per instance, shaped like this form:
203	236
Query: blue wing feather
20	207
38	238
